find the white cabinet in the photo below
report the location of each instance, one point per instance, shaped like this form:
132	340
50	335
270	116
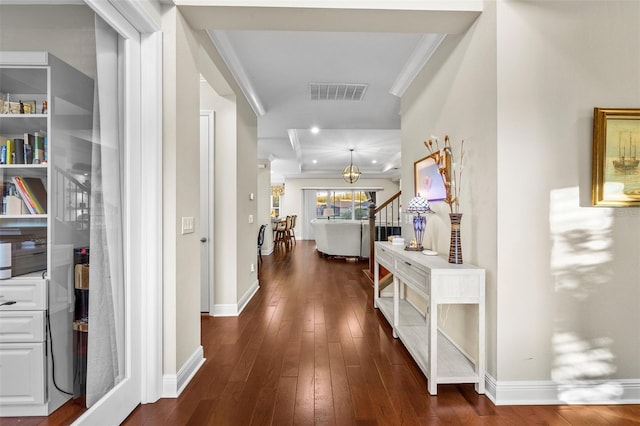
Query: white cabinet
53	125
23	366
22	342
434	281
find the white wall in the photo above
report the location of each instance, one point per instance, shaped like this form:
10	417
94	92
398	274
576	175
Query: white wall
65	31
562	289
567	271
236	177
224	192
292	202
181	189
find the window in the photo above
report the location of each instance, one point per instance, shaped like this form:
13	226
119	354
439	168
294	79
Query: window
276	193
341	204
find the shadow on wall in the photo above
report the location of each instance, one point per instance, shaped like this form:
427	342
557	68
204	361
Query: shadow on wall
581	264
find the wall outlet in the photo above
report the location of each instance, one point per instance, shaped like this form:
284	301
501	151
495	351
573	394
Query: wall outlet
253	267
250	218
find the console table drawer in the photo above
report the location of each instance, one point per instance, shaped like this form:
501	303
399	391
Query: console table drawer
21	326
413	276
385	259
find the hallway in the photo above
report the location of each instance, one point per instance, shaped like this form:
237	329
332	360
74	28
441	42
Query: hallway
310	349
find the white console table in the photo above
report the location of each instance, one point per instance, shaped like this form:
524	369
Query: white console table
438	282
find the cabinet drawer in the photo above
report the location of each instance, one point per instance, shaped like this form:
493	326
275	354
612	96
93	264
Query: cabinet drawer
29	295
22	373
413	276
385	259
21	326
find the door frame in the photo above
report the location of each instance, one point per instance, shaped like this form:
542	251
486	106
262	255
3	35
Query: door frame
143	212
208	198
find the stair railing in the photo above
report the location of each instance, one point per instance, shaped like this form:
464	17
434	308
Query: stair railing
384	221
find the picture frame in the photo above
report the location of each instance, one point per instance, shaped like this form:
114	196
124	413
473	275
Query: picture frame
616	157
29	107
428	182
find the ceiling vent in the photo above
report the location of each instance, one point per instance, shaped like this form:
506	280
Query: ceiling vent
337	91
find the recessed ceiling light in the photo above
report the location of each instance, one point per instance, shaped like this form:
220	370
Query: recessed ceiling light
374	161
314	161
315	130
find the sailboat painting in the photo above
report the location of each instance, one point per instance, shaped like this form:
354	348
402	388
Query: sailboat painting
627	160
616	157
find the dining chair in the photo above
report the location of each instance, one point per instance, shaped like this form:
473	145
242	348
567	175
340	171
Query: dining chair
261	241
292	231
281	232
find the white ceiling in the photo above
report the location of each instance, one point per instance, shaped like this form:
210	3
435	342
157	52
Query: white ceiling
279	67
275	54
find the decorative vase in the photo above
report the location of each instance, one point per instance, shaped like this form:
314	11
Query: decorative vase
455	247
419	223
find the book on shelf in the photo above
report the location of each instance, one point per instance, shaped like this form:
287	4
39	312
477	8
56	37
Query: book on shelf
38	148
10	149
30	149
33	192
18	156
29	141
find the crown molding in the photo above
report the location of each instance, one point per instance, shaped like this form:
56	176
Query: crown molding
221	42
426	47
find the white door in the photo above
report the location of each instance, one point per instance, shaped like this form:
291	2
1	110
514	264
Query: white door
206	210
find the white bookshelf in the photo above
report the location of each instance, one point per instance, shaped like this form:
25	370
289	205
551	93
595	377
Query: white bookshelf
37	325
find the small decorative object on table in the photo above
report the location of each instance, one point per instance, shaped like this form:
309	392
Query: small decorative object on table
418	205
451	172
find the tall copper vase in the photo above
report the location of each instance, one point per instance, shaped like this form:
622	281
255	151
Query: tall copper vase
455	247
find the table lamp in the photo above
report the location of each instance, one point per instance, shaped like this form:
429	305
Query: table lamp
418	205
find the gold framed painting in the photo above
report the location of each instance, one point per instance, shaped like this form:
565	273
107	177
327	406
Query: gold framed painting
428	181
615	168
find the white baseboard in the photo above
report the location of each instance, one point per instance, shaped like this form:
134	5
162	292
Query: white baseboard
233	310
547	392
174	384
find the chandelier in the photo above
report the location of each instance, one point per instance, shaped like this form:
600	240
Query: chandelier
277	190
351	173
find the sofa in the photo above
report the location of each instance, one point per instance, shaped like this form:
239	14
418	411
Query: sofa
336	237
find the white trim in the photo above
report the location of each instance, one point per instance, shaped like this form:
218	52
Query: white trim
295	144
142	15
428	5
114	18
547	392
344	188
246	298
221	42
426	47
233	310
151	230
174	384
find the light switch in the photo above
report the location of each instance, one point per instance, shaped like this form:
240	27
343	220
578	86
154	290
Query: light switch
251	196
187	225
250	218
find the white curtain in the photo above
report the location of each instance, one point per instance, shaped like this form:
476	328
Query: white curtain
105	351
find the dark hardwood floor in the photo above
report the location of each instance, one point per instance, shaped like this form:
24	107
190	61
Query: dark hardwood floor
309	349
